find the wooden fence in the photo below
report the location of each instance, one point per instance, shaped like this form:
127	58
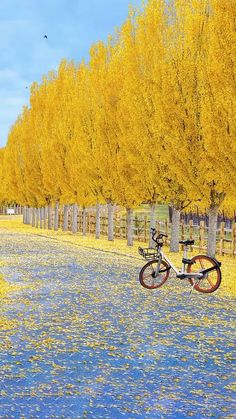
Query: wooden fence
226	237
197	218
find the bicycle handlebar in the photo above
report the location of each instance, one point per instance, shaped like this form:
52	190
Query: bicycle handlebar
159	236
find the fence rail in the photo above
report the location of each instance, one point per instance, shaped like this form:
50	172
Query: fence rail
86	223
226	237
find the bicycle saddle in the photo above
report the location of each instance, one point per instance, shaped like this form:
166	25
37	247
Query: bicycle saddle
186	242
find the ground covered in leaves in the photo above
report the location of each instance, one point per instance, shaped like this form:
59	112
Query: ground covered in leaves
80	338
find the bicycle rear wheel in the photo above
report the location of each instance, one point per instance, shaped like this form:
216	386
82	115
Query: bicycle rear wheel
149	279
211	281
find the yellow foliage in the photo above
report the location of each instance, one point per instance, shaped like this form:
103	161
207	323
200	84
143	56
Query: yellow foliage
149	118
6	287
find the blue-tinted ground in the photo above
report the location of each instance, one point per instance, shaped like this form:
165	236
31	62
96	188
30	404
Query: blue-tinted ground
90	342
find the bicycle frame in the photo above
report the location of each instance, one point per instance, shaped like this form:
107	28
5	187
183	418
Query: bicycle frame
159	267
183	274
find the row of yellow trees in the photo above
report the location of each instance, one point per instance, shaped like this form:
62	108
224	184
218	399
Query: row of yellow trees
150	118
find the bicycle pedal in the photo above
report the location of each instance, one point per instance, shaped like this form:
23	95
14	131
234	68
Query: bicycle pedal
181	276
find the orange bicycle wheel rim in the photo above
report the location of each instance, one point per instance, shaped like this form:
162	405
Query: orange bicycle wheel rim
211	281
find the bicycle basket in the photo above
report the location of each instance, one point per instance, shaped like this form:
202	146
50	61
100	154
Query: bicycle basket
148	253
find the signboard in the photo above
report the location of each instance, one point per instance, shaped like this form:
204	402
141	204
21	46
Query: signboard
10	211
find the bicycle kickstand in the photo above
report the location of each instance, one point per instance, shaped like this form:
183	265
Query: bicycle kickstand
193	286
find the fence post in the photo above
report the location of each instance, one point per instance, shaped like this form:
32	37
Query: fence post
145	228
234	238
120	227
84	221
136	227
61	218
90	222
222	236
129	226
191	231
182	225
201	235
79	220
69	228
165	230
152	207
98	222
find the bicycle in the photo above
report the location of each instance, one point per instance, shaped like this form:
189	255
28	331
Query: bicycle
203	272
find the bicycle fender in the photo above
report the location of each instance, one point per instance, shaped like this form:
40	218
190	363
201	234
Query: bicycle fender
218	263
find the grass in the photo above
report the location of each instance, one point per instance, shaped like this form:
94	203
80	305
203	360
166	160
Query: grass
14	224
144	209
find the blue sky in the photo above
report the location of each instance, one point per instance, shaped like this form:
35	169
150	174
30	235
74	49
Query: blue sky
72	26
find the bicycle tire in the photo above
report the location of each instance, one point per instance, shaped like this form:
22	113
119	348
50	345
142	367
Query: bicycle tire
212	281
160	280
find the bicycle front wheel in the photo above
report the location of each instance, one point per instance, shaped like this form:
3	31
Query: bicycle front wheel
211	280
150	278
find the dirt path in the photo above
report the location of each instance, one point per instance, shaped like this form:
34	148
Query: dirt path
86	341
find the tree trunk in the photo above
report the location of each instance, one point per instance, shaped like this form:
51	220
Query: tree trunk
174	241
44	217
170	210
98	221
129	216
74	218
211	241
27	215
24	215
37	217
152	223
30	215
33	217
84	222
110	208
41	217
56	216
49	217
65	217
